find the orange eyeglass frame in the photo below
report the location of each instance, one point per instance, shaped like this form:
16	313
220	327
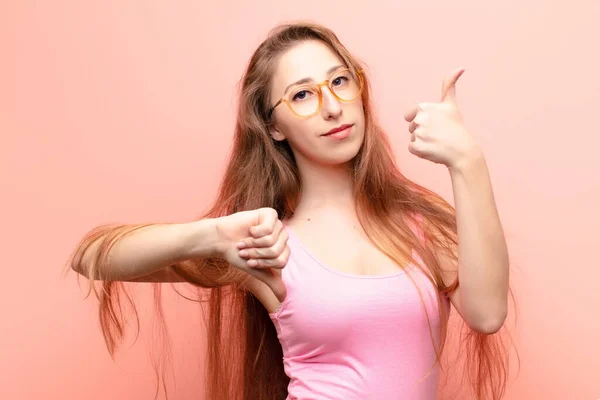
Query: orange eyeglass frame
320	93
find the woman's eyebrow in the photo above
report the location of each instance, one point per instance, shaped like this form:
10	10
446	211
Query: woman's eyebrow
306	80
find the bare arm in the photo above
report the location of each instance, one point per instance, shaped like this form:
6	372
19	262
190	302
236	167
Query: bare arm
144	255
483	262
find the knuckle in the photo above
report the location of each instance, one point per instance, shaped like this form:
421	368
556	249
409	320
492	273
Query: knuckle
266	263
283	259
270	253
420	118
269	240
259	253
278	247
266	230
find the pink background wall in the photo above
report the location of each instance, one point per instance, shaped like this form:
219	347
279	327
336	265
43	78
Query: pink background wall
123	111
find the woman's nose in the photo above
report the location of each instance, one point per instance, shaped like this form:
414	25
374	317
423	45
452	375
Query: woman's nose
331	105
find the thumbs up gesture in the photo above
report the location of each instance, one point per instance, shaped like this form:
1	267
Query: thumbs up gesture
437	130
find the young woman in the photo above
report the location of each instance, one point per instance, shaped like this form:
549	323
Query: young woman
330	273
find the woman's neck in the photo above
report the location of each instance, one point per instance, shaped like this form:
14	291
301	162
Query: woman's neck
325	190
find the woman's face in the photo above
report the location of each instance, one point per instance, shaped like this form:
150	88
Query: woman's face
314	62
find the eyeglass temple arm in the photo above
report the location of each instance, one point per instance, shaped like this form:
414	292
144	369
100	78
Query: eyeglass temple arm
273	108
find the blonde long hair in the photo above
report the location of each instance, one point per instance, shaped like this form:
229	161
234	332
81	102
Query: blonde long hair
244	359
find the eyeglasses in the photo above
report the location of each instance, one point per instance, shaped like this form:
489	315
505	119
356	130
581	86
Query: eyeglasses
306	100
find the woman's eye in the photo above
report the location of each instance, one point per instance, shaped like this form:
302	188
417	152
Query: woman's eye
340	80
301	95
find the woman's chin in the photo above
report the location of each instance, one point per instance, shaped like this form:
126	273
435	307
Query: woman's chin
339	157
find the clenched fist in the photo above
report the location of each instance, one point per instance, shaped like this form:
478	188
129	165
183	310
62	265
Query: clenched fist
256	242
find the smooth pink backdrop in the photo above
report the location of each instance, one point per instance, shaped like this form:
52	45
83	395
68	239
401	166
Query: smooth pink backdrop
123	111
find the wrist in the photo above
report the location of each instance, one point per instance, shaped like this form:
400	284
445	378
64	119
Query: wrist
201	238
474	160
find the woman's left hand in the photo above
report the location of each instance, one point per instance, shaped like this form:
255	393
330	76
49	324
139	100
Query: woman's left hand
437	130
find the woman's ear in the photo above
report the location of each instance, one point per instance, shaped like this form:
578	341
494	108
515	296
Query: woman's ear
276	134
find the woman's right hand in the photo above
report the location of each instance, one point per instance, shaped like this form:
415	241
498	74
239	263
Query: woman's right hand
256	242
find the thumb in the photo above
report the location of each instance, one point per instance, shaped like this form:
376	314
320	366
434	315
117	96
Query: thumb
277	286
449	86
272	278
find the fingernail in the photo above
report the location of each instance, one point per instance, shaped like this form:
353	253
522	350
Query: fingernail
252	263
243	253
241	245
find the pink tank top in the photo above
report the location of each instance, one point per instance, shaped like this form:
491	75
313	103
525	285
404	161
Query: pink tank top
355	337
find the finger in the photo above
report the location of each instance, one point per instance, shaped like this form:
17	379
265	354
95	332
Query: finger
272	279
273	248
267	217
412	148
449	85
413	125
272	238
417	147
264	241
278	262
411	114
425	106
417	132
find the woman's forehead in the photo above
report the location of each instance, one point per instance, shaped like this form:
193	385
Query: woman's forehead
312	59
